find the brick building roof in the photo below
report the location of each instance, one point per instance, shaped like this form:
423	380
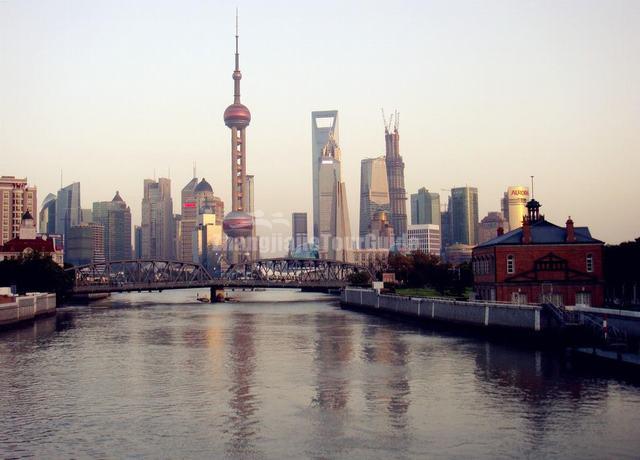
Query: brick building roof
543	232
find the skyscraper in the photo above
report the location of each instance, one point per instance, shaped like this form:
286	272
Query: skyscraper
68	210
374	193
299	232
425	208
115	218
137	238
333	219
16	198
157	220
464	215
48	215
395	178
323	125
188	209
239	225
84	244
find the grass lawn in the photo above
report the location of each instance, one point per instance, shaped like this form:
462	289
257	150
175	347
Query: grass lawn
427	292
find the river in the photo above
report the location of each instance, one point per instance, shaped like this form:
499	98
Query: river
284	374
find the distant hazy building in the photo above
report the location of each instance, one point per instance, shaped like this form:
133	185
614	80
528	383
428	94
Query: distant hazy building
16	198
157	220
514	206
137	238
85	244
299	233
395	179
324	124
68	211
425	208
374	193
86	216
380	232
464	215
446	233
207	241
47	216
115	218
489	225
425	238
457	254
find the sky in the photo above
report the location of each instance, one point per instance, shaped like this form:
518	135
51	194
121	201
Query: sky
489	93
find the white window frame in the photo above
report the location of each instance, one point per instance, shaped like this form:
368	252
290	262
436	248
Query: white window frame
511	264
589	263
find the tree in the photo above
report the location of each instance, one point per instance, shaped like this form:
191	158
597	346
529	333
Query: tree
35	273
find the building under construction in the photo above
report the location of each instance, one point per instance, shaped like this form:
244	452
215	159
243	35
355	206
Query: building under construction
395	178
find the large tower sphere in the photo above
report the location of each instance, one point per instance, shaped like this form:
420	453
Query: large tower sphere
237	116
238	224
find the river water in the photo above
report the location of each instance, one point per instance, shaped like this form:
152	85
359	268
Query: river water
284	374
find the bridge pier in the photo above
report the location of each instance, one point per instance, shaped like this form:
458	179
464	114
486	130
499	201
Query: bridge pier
215	294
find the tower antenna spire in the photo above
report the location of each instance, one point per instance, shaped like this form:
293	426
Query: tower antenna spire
532	194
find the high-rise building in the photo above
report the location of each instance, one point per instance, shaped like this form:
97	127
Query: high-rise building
239	224
464	215
188	208
299	232
333	218
489	225
374	193
514	206
446	232
48	215
425	238
137	238
157	220
324	124
115	218
16	198
85	244
207	241
86	216
395	178
68	210
425	208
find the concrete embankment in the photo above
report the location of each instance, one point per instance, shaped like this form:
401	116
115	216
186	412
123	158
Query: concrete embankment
27	307
529	318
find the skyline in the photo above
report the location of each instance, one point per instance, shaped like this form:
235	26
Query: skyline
68	105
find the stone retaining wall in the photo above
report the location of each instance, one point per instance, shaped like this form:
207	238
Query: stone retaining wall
526	317
26	308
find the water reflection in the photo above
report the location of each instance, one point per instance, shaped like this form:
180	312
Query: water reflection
283	379
390	387
242	423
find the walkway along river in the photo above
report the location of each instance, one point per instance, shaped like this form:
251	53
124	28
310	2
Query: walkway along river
285	374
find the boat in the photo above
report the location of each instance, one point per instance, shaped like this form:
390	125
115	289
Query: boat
203	299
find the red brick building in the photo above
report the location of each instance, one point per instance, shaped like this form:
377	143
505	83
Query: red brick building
540	262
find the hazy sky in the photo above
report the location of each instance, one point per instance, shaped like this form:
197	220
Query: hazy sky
489	92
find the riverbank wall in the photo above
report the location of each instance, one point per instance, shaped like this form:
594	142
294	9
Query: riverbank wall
25	308
530	318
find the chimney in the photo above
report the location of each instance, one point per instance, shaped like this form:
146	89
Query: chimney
571	234
526	232
500	231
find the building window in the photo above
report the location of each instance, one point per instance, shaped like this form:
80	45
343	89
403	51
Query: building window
589	263
511	265
583	299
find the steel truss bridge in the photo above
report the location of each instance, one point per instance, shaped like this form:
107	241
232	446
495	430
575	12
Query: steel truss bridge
158	275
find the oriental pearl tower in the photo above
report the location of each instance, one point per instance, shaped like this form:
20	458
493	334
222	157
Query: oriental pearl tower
239	224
